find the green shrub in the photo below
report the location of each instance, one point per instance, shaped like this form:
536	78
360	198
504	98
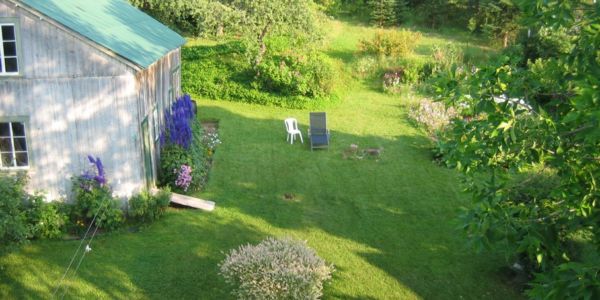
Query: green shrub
309	75
444	57
45	219
92	198
147	207
390	43
221	72
276	269
13	220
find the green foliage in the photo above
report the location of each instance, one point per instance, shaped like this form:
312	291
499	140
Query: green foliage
172	156
262	19
93	199
208	18
546	43
383	12
13	220
276	269
401	11
391	43
557	131
498	19
218	72
569	281
147	207
45	219
293	74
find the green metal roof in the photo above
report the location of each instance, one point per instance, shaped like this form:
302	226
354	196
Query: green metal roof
114	24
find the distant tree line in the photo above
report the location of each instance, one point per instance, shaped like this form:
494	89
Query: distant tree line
494	18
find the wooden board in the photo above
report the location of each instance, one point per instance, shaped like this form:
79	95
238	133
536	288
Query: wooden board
192	202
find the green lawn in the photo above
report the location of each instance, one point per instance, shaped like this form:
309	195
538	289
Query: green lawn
388	226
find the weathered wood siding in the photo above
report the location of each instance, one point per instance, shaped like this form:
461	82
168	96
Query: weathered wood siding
158	86
79	100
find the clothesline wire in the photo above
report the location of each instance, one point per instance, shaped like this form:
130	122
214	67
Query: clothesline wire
60	282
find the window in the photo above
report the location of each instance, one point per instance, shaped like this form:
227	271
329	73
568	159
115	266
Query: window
9	64
13	145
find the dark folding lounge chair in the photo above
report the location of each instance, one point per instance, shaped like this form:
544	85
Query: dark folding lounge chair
318	132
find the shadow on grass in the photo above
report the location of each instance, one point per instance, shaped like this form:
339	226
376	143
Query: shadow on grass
394	213
177	256
402	204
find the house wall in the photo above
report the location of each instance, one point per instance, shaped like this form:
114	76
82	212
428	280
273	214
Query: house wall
158	87
78	100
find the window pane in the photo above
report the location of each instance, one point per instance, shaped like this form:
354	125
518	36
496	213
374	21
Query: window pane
8	32
7	159
5	145
1	63
10	49
11	64
18	129
20	144
22	159
4	129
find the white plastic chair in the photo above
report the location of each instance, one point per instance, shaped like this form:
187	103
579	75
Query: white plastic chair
291	126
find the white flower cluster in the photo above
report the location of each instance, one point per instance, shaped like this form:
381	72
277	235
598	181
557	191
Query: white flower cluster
212	140
432	116
276	269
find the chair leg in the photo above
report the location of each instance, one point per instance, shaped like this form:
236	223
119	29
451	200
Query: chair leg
301	140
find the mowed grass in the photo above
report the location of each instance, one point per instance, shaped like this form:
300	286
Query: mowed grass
387	225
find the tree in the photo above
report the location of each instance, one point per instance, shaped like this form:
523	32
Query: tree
401	11
261	19
195	17
383	12
496	18
532	164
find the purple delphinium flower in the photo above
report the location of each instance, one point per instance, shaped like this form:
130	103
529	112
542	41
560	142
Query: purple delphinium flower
100	178
177	129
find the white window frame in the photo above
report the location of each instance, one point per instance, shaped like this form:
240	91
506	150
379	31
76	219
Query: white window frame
12	145
2	56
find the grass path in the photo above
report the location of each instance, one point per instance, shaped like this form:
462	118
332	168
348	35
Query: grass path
387	226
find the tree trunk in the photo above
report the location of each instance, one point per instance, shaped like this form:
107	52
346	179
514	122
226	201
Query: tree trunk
505	40
262	47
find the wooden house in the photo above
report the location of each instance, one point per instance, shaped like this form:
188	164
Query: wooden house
82	78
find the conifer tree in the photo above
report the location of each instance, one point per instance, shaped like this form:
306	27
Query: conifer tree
383	12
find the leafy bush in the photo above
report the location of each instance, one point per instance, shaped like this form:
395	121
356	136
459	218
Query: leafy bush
365	66
309	75
391	43
194	17
13	220
220	72
276	269
432	116
147	207
93	197
446	56
45	219
182	145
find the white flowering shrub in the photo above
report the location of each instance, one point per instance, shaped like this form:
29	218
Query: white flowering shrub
276	269
432	116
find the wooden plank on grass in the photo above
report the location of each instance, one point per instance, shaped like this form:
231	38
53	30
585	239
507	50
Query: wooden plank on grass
192	202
